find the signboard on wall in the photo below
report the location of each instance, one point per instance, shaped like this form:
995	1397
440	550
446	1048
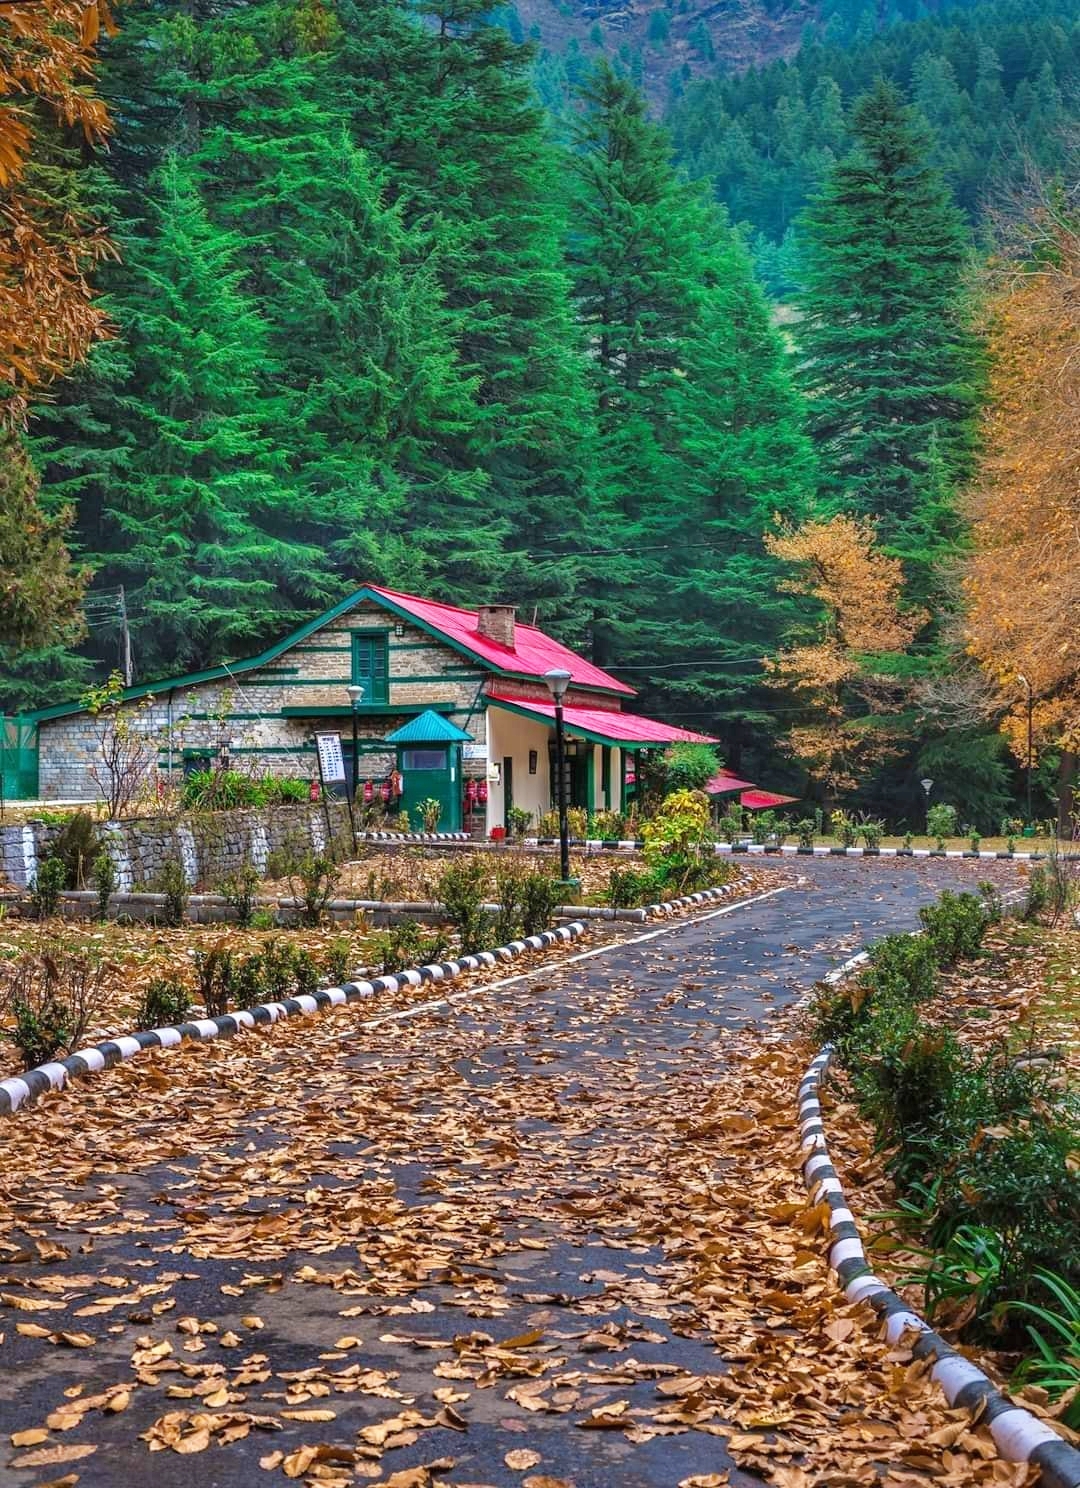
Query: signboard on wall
330	756
474	751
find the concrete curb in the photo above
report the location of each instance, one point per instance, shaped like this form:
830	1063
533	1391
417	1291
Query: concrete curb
1018	1435
21	1089
789	849
435	837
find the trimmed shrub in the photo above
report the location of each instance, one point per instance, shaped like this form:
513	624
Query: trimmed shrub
48	885
172	882
461	889
955	926
239	890
104	882
165	1001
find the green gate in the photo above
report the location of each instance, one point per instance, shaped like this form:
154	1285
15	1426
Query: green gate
18	759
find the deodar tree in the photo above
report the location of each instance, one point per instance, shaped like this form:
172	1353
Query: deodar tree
1023	575
846	674
47	318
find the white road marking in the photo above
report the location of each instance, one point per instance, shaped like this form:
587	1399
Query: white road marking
524	976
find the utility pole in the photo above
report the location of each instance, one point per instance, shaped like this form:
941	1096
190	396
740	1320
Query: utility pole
125	641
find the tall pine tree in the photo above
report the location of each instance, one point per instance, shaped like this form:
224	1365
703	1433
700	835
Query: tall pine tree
193	528
890	368
698	437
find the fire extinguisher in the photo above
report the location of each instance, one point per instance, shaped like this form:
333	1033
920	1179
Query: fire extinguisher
369	793
470	792
313	790
397	785
482	792
385	791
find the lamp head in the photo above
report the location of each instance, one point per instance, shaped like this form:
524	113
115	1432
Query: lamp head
927	785
558	680
355	694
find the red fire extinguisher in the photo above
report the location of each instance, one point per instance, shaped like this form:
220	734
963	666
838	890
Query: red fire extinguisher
397	785
313	790
369	793
482	792
470	792
386	790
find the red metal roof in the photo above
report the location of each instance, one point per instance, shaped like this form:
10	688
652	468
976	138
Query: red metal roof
723	781
761	800
532	654
608	724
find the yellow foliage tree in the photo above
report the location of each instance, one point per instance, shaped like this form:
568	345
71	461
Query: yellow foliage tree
47	318
841	675
1022	578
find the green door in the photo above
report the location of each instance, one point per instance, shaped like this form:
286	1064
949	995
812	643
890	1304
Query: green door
431	772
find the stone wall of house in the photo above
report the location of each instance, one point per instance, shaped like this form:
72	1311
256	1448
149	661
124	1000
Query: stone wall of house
209	845
254	713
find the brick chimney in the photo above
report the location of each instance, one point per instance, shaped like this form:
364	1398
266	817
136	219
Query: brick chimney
496	623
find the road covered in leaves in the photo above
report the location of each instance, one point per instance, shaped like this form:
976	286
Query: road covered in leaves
552	1236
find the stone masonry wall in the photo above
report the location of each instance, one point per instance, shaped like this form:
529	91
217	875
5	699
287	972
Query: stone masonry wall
208	845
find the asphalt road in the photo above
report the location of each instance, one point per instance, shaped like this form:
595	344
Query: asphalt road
324	1202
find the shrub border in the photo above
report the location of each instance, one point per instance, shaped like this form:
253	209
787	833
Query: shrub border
1018	1435
18	1090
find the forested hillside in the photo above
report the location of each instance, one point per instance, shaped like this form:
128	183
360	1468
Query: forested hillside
359	308
999	86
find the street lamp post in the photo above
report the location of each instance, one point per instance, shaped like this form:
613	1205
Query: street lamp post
1026	685
356	697
558	680
928	786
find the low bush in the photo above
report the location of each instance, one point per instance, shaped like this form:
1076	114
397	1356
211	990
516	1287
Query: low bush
172	883
313	879
941	823
214	970
461	890
49	883
339	957
844	828
871	831
104	882
679	843
903	967
540	895
955	926
805	831
405	946
520	821
630	888
227	790
239	890
50	999
607	826
165	1002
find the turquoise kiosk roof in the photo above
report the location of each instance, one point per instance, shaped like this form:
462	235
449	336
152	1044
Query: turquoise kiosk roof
429	728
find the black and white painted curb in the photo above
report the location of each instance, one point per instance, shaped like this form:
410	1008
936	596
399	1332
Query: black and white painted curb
688	901
790	849
1018	1435
20	1089
413	837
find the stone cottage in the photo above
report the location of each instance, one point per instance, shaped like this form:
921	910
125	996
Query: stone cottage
453	705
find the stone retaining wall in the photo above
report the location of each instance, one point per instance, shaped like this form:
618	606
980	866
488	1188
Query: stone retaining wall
209	845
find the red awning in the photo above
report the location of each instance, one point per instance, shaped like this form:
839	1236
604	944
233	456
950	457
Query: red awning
603	725
724	781
762	800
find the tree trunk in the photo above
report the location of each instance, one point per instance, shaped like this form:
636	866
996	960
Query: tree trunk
1068	825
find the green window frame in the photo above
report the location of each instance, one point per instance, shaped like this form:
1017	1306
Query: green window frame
371	664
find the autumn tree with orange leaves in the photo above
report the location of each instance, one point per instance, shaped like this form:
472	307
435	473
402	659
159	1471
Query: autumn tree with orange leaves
845	675
1022	578
48	320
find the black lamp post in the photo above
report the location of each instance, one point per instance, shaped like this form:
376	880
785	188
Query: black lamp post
558	680
1030	717
356	697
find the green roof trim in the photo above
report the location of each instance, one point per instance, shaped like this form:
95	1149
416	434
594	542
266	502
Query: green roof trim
366	710
429	728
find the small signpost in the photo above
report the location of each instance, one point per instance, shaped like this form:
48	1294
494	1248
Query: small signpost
331	759
332	768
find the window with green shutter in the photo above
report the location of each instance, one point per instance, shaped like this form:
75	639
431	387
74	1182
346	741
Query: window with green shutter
370	664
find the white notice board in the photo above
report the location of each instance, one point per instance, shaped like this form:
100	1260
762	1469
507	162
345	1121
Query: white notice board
330	756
